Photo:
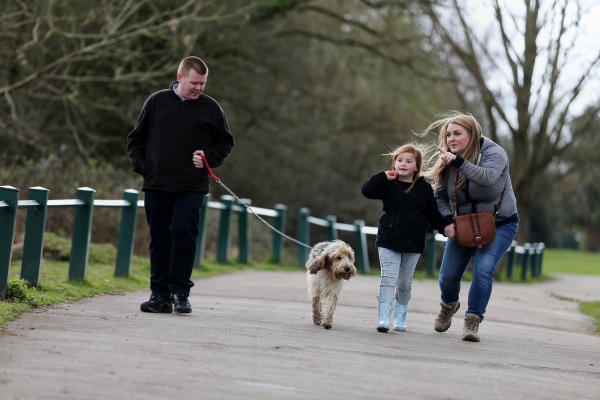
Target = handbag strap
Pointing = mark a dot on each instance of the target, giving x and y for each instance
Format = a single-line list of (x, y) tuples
[(455, 179)]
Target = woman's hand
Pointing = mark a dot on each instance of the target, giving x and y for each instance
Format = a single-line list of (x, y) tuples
[(391, 175), (446, 156), (449, 231)]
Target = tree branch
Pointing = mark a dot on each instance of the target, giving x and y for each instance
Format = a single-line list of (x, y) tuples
[(408, 63)]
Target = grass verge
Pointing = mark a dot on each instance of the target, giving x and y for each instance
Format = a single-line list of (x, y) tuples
[(56, 288), (571, 262), (592, 308)]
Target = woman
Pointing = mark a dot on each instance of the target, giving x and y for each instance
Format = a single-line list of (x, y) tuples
[(483, 185)]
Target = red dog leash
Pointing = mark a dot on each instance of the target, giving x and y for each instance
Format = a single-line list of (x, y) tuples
[(246, 205), (208, 168)]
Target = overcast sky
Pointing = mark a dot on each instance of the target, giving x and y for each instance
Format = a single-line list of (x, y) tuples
[(587, 43)]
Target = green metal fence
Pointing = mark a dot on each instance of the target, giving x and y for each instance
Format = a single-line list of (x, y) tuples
[(529, 256)]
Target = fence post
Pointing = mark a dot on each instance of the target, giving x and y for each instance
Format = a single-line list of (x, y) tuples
[(279, 224), (331, 231), (533, 260), (9, 202), (82, 229), (431, 253), (224, 229), (244, 233), (362, 256), (303, 235), (201, 239), (510, 261), (525, 261), (33, 245), (540, 254), (127, 233)]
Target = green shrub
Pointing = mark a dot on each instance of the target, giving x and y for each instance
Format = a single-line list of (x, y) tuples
[(18, 292), (56, 247), (102, 253)]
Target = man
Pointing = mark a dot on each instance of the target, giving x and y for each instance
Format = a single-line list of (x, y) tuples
[(174, 127)]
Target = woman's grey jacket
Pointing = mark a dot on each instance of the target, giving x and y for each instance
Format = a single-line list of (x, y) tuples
[(484, 186)]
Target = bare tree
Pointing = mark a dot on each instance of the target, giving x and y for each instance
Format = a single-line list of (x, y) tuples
[(63, 64), (533, 101), (382, 29)]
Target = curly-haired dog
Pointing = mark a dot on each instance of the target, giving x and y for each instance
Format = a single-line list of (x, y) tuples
[(329, 265)]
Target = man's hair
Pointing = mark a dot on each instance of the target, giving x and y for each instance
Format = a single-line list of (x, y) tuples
[(192, 63)]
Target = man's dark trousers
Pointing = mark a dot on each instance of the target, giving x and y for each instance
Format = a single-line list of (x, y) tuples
[(173, 219)]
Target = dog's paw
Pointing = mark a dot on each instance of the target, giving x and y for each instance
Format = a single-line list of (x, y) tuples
[(327, 326), (317, 321)]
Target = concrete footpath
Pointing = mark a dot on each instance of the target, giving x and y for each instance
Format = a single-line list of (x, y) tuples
[(251, 336)]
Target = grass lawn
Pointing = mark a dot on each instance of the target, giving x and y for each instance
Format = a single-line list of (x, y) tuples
[(571, 262), (56, 288)]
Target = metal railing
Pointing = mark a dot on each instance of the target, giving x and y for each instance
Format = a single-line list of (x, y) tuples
[(528, 256)]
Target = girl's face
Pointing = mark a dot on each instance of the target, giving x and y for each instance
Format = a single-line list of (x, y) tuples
[(457, 138), (405, 166)]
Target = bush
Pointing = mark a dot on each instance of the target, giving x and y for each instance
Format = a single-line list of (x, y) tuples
[(56, 247), (18, 292)]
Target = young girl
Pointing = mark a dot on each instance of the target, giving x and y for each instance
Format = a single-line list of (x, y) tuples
[(409, 207)]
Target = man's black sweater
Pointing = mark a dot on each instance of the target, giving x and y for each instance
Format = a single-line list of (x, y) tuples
[(167, 133), (407, 216)]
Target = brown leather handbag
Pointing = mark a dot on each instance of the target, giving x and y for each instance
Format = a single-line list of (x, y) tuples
[(475, 229)]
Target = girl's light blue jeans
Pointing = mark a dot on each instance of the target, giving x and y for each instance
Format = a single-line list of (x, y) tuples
[(457, 258), (397, 271)]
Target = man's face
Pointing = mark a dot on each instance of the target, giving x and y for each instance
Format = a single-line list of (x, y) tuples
[(191, 85)]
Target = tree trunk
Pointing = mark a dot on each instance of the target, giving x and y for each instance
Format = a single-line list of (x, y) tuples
[(524, 195)]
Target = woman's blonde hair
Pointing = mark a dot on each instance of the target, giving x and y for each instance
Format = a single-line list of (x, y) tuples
[(416, 152), (439, 172)]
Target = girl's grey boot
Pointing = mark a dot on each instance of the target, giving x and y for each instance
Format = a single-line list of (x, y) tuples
[(400, 316), (385, 312)]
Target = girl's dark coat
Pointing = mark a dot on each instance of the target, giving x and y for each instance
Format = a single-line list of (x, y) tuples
[(407, 216)]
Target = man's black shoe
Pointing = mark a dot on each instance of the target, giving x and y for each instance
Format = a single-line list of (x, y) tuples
[(182, 303), (158, 304)]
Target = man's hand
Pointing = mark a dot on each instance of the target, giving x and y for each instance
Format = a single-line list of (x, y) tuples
[(197, 160)]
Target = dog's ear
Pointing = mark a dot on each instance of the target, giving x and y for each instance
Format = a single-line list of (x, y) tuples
[(327, 263), (317, 263)]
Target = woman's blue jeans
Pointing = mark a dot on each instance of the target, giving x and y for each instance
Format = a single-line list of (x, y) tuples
[(397, 271), (457, 258)]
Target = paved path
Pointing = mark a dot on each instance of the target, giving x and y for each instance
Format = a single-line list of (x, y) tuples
[(250, 336)]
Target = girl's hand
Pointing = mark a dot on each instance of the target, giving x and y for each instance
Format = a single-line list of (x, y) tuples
[(449, 231), (391, 175), (446, 156)]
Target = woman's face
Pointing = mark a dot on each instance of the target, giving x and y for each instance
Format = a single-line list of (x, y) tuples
[(457, 138)]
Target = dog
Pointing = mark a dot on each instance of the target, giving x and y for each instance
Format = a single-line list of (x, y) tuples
[(329, 265)]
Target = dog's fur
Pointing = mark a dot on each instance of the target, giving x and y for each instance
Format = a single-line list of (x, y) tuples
[(329, 265)]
